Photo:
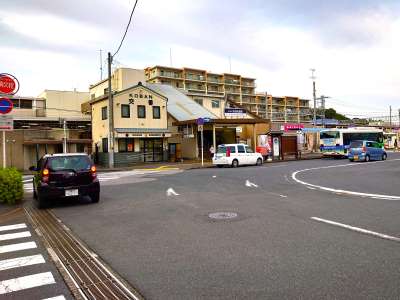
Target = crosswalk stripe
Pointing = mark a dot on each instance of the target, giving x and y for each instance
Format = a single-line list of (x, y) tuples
[(61, 297), (12, 236), (21, 262), (12, 227), (17, 247), (26, 282)]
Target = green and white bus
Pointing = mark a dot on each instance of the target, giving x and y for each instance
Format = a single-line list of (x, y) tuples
[(335, 142)]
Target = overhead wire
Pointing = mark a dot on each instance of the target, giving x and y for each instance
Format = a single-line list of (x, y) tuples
[(126, 30)]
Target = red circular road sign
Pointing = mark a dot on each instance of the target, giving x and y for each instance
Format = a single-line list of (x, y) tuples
[(8, 84), (6, 106)]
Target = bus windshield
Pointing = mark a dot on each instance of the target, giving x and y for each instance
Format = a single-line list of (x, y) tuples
[(329, 135)]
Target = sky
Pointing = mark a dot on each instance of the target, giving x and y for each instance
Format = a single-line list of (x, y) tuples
[(353, 45)]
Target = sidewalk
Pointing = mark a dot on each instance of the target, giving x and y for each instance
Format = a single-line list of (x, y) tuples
[(194, 164)]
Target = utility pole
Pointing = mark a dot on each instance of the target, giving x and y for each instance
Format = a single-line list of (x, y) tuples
[(110, 116), (399, 117), (65, 136), (390, 116), (322, 98), (315, 107)]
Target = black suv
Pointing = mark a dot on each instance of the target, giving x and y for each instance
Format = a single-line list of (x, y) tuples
[(63, 176)]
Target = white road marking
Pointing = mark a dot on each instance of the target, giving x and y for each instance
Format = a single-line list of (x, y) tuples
[(26, 282), (214, 176), (17, 247), (12, 236), (12, 227), (283, 196), (369, 195), (250, 184), (61, 297), (311, 188), (171, 192), (27, 180), (21, 262), (358, 229)]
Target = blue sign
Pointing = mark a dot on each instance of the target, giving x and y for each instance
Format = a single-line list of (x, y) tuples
[(206, 120), (200, 121), (6, 106)]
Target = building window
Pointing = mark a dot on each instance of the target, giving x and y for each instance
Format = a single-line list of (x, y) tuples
[(105, 91), (104, 113), (156, 112), (92, 96), (215, 103), (104, 144), (125, 111), (126, 145), (141, 111), (199, 101), (26, 104)]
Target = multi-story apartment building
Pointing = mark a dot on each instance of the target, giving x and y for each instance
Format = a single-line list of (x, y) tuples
[(209, 89)]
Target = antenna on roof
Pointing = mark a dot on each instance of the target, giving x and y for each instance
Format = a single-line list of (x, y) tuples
[(101, 64)]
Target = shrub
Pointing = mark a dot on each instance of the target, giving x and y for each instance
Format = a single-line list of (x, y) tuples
[(11, 187)]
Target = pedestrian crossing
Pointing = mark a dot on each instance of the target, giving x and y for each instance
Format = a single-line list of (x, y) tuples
[(16, 261)]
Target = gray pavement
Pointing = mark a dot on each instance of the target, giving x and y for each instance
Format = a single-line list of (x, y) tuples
[(168, 247)]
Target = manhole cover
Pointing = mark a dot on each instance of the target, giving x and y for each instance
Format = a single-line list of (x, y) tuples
[(222, 215)]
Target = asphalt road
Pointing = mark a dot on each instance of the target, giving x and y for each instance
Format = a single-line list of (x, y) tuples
[(168, 248)]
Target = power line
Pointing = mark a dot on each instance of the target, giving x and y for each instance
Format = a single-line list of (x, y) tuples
[(126, 30)]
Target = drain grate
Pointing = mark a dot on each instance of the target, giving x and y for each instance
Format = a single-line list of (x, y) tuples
[(223, 215)]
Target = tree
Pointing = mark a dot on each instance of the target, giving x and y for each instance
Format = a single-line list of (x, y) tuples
[(331, 113)]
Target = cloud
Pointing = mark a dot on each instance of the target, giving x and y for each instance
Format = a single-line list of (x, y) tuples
[(353, 44)]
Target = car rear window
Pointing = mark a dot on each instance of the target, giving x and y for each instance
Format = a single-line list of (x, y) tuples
[(76, 163), (222, 149), (356, 144)]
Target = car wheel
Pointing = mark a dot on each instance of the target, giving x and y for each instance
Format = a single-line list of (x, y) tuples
[(95, 197), (235, 163), (42, 202), (259, 162), (384, 156), (367, 158), (219, 166), (350, 159)]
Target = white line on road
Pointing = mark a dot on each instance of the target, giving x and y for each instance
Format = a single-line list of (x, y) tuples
[(12, 236), (12, 227), (358, 229), (26, 282), (61, 297), (17, 247), (21, 262), (283, 196), (214, 176), (369, 195), (171, 192), (250, 184), (27, 181), (311, 188)]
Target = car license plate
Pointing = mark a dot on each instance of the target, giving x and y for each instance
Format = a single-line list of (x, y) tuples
[(355, 157), (69, 193)]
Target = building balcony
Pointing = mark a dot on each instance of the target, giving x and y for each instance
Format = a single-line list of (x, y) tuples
[(216, 92), (197, 78), (214, 81), (248, 84), (232, 82)]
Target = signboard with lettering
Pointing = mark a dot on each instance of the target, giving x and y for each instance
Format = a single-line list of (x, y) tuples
[(8, 84), (6, 123), (292, 126), (235, 112)]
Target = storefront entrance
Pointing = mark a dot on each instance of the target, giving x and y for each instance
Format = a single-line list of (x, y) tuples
[(152, 149)]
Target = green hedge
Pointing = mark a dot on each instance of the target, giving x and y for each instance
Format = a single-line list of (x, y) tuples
[(11, 186)]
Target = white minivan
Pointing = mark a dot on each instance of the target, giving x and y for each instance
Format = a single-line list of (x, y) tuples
[(235, 155)]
